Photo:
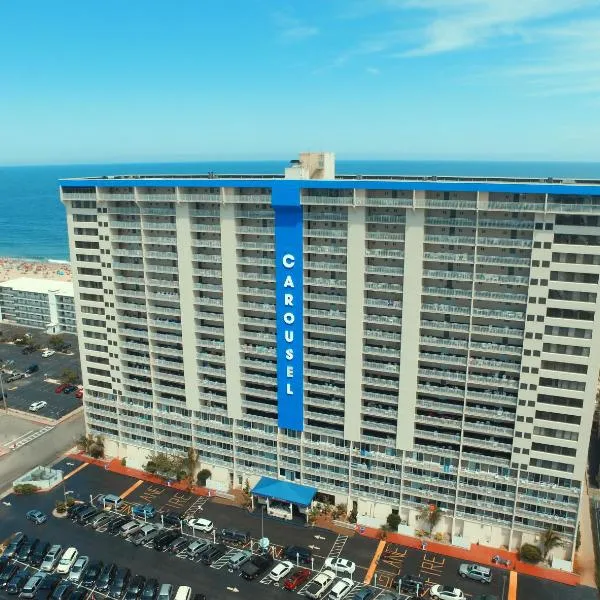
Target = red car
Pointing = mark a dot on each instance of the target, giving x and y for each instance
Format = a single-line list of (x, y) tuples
[(61, 388), (79, 394), (297, 579)]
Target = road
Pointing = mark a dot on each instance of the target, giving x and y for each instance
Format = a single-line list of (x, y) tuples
[(42, 451)]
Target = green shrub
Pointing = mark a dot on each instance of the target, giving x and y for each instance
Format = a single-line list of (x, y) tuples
[(124, 462), (60, 506), (70, 501), (202, 476), (25, 489), (353, 516), (393, 520), (530, 553)]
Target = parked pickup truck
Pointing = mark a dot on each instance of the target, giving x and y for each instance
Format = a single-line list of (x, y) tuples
[(256, 567), (318, 586)]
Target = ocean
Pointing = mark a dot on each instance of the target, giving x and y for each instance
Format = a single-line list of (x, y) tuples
[(32, 219)]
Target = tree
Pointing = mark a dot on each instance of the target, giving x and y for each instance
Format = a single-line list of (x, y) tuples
[(393, 520), (84, 442), (162, 465), (203, 475), (96, 449), (551, 539), (56, 342), (578, 538), (190, 464), (530, 553), (69, 376), (431, 515)]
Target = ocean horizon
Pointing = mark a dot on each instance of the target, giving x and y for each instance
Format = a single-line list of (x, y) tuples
[(32, 218)]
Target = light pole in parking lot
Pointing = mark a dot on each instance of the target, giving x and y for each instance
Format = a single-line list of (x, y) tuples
[(65, 492)]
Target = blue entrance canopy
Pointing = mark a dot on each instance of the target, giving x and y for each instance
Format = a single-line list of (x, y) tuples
[(285, 491)]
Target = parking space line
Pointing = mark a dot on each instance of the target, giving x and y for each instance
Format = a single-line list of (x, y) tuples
[(338, 546), (132, 489), (374, 562), (512, 586), (75, 471)]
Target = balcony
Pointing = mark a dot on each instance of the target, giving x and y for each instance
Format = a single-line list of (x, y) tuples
[(499, 331), (451, 257), (504, 242), (441, 374), (382, 335), (502, 296), (380, 253), (507, 315), (439, 406), (494, 397), (451, 240), (446, 308), (451, 392), (445, 326), (444, 342), (497, 414), (447, 275), (504, 260), (443, 358), (381, 270)]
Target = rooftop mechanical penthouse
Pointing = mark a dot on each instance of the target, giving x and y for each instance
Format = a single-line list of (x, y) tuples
[(394, 342)]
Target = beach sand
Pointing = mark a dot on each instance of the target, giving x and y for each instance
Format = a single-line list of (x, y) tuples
[(12, 268)]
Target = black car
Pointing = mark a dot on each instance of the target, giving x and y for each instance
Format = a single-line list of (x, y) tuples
[(4, 562), (27, 549), (15, 544), (38, 555), (150, 590), (162, 540), (28, 350), (233, 536), (408, 583), (18, 581), (116, 524), (69, 389), (47, 586), (31, 369), (172, 518), (91, 574), (106, 577), (119, 583), (135, 587), (212, 553), (62, 591), (256, 567), (300, 553), (178, 544), (9, 572), (75, 508), (85, 517)]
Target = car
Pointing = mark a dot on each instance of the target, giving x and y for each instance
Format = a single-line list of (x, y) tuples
[(67, 560), (115, 525), (298, 554), (340, 589), (145, 511), (237, 559), (78, 568), (297, 579), (475, 572), (79, 394), (38, 555), (91, 573), (200, 525), (59, 389), (47, 586), (62, 591), (233, 536), (48, 353), (213, 553), (31, 585), (165, 592), (106, 577), (31, 369), (9, 572), (281, 570), (408, 583), (28, 350), (119, 583), (446, 592), (27, 549), (14, 545), (150, 591), (256, 567), (178, 544), (87, 516), (340, 565), (36, 516), (196, 547), (69, 389), (171, 518), (365, 593), (15, 377), (146, 534), (76, 508), (319, 584), (101, 520), (4, 562), (38, 405), (18, 581), (162, 540), (51, 559), (135, 588)]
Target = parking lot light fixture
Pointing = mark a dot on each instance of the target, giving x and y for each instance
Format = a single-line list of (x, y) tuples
[(400, 584), (214, 536)]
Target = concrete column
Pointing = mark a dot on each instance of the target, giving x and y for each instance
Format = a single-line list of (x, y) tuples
[(230, 310), (355, 296), (186, 303), (411, 324)]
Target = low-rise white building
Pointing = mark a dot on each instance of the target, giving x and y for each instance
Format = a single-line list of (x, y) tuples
[(40, 303)]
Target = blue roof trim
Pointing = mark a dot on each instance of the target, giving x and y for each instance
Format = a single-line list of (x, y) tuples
[(359, 184), (285, 491)]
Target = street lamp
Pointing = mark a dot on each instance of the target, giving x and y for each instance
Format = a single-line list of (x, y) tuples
[(65, 492)]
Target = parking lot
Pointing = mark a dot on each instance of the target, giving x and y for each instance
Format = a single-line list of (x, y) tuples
[(23, 392), (217, 581)]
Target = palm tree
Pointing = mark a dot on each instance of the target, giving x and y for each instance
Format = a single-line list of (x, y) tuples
[(550, 540), (430, 515), (190, 463)]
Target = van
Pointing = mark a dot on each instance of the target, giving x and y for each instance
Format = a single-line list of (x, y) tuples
[(112, 501), (67, 560), (166, 592), (239, 558), (130, 528), (184, 592)]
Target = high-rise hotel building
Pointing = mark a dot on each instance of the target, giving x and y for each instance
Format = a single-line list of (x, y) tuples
[(392, 341)]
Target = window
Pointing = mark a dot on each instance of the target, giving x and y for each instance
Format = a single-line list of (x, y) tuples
[(552, 465), (563, 384), (558, 401), (566, 313), (564, 451), (571, 332), (565, 367), (564, 349), (574, 277), (557, 417), (572, 296), (576, 259), (579, 220), (571, 436)]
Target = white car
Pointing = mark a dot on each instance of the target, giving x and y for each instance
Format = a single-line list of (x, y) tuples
[(47, 353), (35, 406), (281, 570), (78, 568), (67, 560), (340, 565), (340, 589), (446, 592), (201, 525)]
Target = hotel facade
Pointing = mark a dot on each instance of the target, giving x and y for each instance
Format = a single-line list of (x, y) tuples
[(394, 342)]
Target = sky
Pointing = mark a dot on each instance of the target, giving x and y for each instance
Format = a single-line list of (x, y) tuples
[(147, 80)]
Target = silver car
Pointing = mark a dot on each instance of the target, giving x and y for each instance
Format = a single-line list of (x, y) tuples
[(51, 559), (475, 572), (78, 568)]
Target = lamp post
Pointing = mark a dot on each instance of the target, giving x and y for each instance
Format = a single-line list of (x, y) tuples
[(65, 492)]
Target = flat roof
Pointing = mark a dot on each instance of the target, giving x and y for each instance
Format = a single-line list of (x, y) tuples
[(39, 286)]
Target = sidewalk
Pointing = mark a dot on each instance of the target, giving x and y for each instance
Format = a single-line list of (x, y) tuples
[(585, 557)]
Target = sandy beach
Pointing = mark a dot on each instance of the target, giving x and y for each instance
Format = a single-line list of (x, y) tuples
[(12, 268)]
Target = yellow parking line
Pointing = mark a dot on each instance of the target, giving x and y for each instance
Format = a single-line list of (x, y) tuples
[(75, 471), (134, 487), (512, 586), (374, 562)]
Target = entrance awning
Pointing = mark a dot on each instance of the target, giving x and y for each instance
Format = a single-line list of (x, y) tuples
[(285, 491)]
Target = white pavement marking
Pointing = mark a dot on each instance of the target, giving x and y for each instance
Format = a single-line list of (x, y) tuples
[(196, 507), (221, 562), (338, 546), (29, 437), (11, 442)]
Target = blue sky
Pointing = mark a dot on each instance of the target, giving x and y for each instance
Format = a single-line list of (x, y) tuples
[(135, 80)]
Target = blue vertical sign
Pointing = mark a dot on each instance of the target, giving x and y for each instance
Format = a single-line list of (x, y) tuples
[(289, 304)]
